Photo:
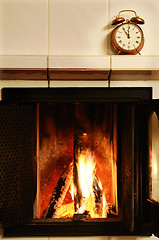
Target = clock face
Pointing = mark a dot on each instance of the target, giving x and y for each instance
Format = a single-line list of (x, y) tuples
[(129, 36)]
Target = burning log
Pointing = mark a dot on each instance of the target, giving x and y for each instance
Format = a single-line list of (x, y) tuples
[(81, 145), (78, 148), (59, 192), (81, 216), (97, 196), (88, 189)]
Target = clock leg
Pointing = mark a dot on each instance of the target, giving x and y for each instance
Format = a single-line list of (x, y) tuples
[(138, 52)]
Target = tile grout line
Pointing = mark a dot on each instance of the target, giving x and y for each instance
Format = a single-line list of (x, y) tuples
[(108, 40), (48, 27), (48, 39)]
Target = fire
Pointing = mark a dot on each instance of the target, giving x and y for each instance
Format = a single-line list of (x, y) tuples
[(76, 160), (90, 192), (92, 199), (80, 176), (86, 167)]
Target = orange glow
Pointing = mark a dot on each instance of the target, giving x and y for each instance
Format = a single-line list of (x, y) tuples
[(85, 135), (86, 167), (90, 187), (66, 211)]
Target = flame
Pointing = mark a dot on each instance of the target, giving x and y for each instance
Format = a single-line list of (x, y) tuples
[(93, 199), (105, 207), (85, 170), (72, 190), (84, 134)]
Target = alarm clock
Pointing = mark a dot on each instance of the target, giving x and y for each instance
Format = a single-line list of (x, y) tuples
[(127, 38)]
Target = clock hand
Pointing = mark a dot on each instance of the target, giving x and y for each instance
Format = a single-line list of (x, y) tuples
[(125, 31), (127, 34), (128, 28), (128, 31)]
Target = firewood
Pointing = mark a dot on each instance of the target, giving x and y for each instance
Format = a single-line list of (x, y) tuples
[(97, 195), (79, 146), (59, 192)]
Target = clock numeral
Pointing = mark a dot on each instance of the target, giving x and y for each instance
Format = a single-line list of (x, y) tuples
[(120, 41), (137, 32), (123, 45), (137, 42), (138, 37)]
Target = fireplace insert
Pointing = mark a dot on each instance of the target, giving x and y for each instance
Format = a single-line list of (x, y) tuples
[(79, 161)]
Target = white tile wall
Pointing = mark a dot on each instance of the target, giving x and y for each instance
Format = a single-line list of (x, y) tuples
[(80, 238), (79, 62), (23, 27), (135, 62), (133, 238), (79, 83), (84, 238), (26, 238), (23, 62), (70, 27), (78, 27)]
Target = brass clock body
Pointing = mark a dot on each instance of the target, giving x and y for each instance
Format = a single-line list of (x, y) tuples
[(127, 38)]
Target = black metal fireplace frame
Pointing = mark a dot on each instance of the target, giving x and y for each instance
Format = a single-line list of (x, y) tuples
[(73, 94), (112, 226)]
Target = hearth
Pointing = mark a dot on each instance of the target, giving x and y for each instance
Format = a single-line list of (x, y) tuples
[(76, 161)]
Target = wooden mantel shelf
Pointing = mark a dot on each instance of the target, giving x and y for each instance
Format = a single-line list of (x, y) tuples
[(78, 74), (60, 68), (53, 74), (23, 74)]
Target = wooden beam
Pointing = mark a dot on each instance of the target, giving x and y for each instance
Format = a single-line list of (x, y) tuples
[(23, 74), (80, 74), (134, 75)]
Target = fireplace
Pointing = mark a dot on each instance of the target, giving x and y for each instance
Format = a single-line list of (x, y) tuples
[(75, 161)]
